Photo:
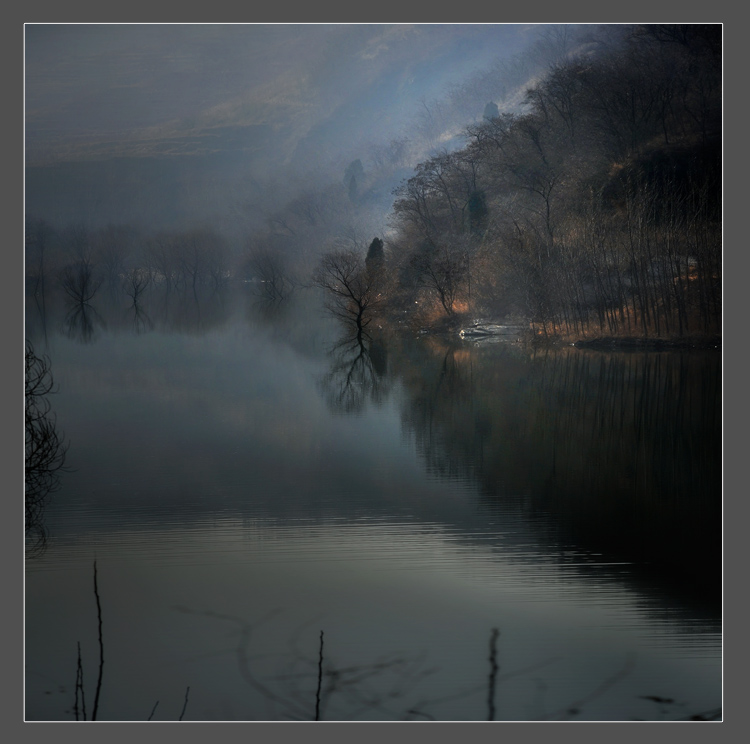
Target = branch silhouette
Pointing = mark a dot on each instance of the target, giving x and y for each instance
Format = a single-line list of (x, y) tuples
[(45, 448)]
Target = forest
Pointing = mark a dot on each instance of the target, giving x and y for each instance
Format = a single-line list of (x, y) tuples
[(591, 207), (597, 211)]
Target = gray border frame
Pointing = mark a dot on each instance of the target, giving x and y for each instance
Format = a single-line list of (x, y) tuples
[(477, 12)]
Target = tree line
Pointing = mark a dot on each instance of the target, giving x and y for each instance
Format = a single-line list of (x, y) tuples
[(595, 210), (82, 260), (586, 202)]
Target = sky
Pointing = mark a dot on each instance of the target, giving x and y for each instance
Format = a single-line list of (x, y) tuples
[(117, 85), (159, 124)]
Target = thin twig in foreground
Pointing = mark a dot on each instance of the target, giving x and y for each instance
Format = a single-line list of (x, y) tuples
[(101, 647), (79, 686), (493, 674), (184, 707), (320, 679)]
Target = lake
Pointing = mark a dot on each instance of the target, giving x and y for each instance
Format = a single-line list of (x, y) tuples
[(286, 525)]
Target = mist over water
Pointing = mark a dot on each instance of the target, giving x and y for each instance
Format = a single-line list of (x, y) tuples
[(245, 480), (298, 518)]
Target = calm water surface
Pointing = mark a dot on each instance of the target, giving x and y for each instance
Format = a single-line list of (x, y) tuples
[(244, 479)]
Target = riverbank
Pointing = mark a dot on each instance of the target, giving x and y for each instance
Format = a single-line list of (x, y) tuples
[(520, 330)]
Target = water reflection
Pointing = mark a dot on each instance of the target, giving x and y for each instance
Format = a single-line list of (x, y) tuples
[(81, 323), (136, 305), (357, 374), (444, 410), (564, 492), (621, 451), (269, 311), (302, 683), (80, 282), (404, 640), (197, 312), (142, 322), (632, 453)]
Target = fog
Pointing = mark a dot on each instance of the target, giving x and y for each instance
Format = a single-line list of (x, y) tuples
[(168, 126), (405, 334)]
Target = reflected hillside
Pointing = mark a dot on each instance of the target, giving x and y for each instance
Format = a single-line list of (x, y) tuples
[(461, 409), (621, 450), (616, 454)]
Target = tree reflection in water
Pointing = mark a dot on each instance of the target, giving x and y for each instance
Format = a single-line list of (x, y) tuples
[(621, 452), (312, 684), (135, 284), (618, 453), (81, 322), (81, 284), (142, 323), (357, 375)]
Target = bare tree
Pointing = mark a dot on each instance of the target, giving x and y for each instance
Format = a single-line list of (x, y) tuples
[(443, 270), (135, 283), (45, 448), (353, 290), (80, 282), (161, 255)]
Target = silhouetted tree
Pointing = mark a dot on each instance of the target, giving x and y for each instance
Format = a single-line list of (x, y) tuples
[(375, 256), (80, 282), (45, 448), (135, 282), (353, 291), (443, 270)]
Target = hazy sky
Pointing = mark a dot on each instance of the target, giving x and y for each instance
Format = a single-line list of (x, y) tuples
[(87, 82), (164, 124)]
